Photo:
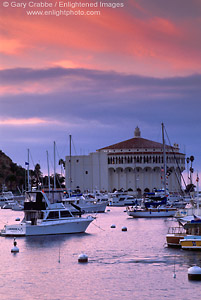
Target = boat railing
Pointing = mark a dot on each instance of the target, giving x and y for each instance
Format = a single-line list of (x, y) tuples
[(176, 230)]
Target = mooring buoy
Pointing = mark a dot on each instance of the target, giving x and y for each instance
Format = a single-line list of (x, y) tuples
[(194, 273), (82, 258), (15, 249)]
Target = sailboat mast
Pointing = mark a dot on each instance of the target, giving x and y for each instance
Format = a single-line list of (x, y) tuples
[(28, 172), (164, 159), (70, 137), (48, 169), (54, 166)]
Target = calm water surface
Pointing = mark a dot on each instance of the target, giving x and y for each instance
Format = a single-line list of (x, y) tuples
[(122, 265)]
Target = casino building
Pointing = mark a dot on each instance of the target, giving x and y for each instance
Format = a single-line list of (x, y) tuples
[(135, 164)]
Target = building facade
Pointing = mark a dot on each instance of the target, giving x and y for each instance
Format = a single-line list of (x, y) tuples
[(136, 164)]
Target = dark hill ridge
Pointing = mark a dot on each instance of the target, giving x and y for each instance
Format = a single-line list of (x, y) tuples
[(11, 175)]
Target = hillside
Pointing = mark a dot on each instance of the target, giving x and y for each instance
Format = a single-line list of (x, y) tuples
[(11, 175)]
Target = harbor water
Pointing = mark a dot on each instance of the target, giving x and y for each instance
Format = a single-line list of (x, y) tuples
[(132, 264)]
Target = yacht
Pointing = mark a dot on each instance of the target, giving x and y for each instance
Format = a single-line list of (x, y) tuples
[(192, 239), (5, 196), (44, 218), (151, 212), (119, 198)]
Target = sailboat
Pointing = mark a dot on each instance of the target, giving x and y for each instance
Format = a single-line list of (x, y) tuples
[(156, 210)]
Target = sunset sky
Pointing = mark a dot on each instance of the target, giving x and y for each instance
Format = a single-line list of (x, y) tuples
[(97, 77)]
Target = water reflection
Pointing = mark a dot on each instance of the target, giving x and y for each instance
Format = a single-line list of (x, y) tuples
[(51, 241)]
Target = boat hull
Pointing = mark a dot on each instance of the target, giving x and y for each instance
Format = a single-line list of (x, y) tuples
[(92, 208), (49, 228), (173, 240), (157, 213), (193, 243)]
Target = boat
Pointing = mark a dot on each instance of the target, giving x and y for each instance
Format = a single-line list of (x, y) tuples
[(5, 196), (96, 195), (89, 205), (44, 218), (192, 208), (121, 198), (155, 204), (175, 234), (192, 240), (151, 212)]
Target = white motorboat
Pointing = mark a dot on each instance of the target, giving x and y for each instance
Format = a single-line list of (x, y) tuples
[(5, 196), (122, 199), (89, 205), (151, 212), (192, 240), (44, 218)]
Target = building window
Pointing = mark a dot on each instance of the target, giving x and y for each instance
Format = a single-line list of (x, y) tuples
[(86, 172), (77, 160)]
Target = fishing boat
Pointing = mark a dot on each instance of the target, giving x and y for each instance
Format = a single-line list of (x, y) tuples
[(44, 218)]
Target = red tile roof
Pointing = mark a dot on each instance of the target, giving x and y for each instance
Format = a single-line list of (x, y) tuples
[(136, 143)]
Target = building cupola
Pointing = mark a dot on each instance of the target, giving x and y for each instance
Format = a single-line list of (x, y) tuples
[(137, 132)]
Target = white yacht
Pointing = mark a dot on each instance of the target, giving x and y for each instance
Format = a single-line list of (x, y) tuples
[(122, 199), (44, 218), (4, 197), (151, 212), (85, 205)]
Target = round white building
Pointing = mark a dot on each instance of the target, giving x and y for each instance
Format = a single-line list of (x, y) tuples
[(135, 164)]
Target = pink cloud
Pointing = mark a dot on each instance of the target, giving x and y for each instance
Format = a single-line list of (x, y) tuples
[(120, 39)]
